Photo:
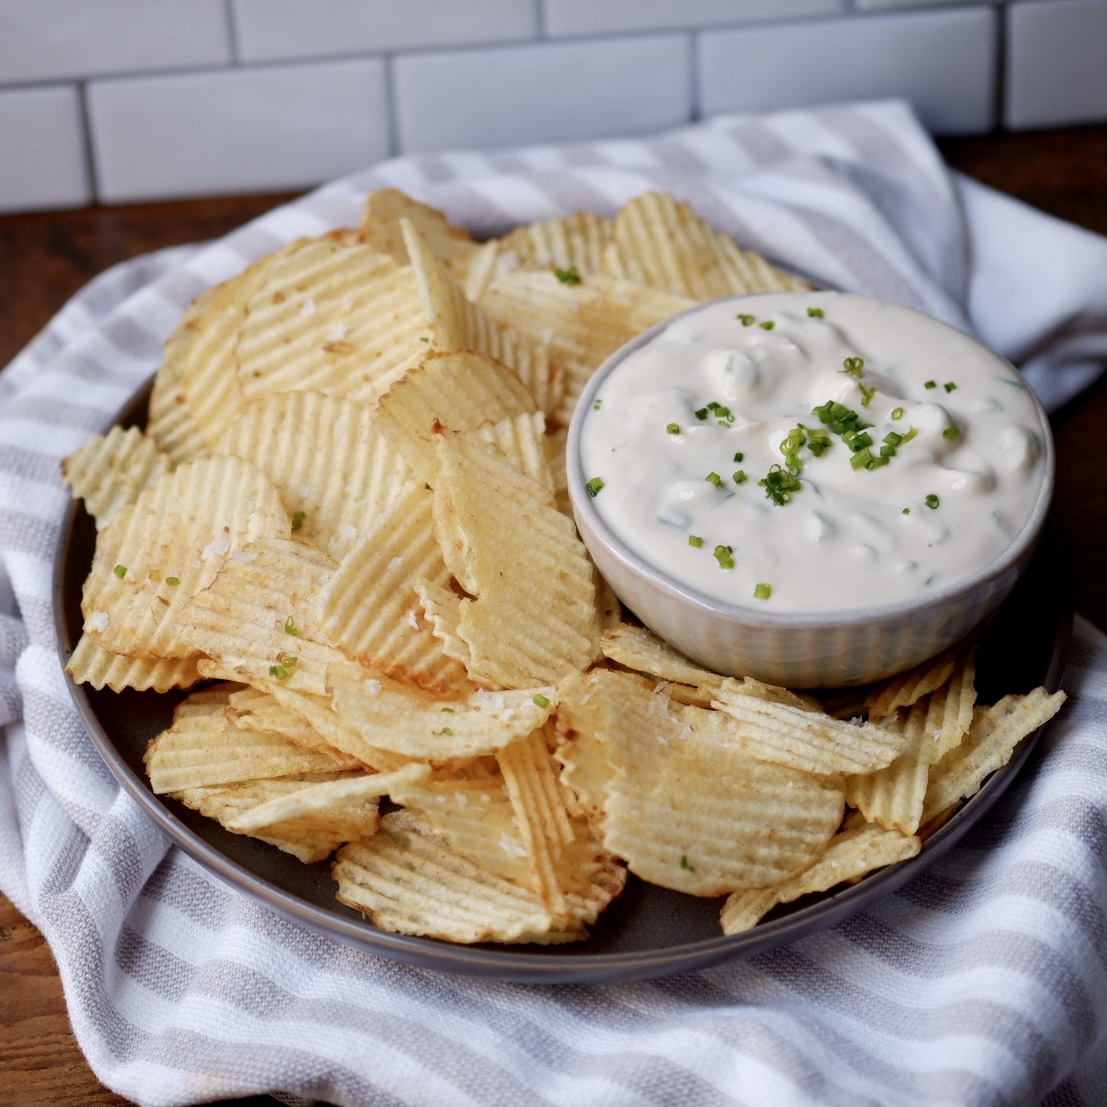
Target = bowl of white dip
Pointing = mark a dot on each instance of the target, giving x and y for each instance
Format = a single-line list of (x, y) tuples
[(815, 489)]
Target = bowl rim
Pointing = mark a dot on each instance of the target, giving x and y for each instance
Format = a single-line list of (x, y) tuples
[(593, 527)]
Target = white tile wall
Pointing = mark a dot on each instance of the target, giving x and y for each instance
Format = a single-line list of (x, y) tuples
[(46, 40), (156, 98), (281, 29), (241, 130), (587, 17), (548, 92), (42, 162), (1057, 63), (813, 62)]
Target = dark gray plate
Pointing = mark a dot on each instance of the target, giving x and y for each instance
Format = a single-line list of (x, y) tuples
[(647, 932)]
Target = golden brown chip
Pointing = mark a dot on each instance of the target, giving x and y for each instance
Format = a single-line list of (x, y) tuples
[(408, 881), (454, 390), (370, 606), (893, 796), (640, 649), (382, 213), (995, 733), (331, 316), (661, 242), (849, 856), (453, 323), (906, 688), (500, 538), (804, 739), (170, 421), (91, 664), (111, 469), (168, 545), (260, 616), (425, 726), (950, 709), (335, 473)]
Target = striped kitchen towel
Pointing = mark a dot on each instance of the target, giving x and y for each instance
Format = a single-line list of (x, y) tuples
[(981, 981)]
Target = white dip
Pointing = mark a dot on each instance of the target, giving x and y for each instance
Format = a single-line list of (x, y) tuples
[(684, 431)]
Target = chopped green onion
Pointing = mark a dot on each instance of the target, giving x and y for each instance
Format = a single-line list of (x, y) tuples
[(445, 732), (930, 384), (278, 672), (673, 428), (815, 313), (714, 478), (767, 325), (540, 701), (911, 432), (779, 485), (740, 476), (906, 511), (861, 459), (173, 581), (568, 276), (685, 864), (867, 393), (950, 386), (695, 540), (423, 338), (763, 591), (951, 433), (298, 519), (724, 555), (594, 486), (932, 501), (854, 366), (597, 405), (739, 456), (897, 413), (747, 320), (290, 626), (120, 571)]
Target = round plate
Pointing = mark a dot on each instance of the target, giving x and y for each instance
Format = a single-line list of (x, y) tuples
[(648, 931)]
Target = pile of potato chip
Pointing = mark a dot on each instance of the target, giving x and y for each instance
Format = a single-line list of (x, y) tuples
[(345, 528)]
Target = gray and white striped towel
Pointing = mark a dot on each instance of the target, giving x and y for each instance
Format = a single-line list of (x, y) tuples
[(982, 981)]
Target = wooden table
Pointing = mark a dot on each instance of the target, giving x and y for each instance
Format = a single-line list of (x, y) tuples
[(45, 258)]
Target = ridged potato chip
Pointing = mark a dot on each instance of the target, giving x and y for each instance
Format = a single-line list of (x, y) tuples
[(91, 664)]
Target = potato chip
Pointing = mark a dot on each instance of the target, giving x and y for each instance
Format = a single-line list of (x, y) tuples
[(452, 323), (906, 688), (91, 664), (661, 242), (370, 607), (335, 473), (421, 725), (568, 243), (518, 634), (170, 421), (111, 469), (582, 321), (850, 855), (332, 316), (950, 709), (407, 880), (993, 737), (893, 796), (804, 739), (260, 615), (640, 649), (169, 544), (447, 390), (385, 209), (204, 750)]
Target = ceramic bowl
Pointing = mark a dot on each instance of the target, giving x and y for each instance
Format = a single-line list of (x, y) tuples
[(797, 649)]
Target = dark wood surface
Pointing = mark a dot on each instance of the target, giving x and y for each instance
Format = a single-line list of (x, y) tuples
[(46, 257)]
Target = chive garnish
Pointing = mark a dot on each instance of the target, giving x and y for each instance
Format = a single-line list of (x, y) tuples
[(747, 320), (173, 581), (724, 555), (815, 313), (897, 413), (120, 571), (930, 384), (740, 476), (951, 433), (767, 325), (290, 626), (673, 428), (739, 456), (950, 386), (867, 393), (540, 701), (298, 519), (685, 864), (714, 478), (695, 540), (568, 276), (854, 366), (762, 591), (594, 486), (932, 501)]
